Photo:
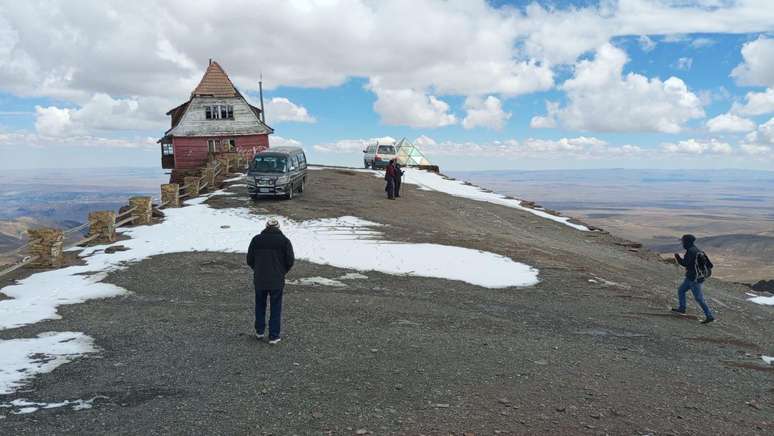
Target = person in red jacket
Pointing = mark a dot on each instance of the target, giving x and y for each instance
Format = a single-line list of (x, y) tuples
[(390, 173)]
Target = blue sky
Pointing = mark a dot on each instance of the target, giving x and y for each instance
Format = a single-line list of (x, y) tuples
[(479, 85)]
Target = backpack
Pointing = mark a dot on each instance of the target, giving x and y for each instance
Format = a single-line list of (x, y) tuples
[(703, 266)]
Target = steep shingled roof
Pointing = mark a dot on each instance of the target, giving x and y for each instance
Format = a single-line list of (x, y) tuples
[(215, 83)]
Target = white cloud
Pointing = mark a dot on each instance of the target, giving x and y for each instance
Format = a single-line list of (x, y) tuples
[(72, 51), (756, 149), (766, 130), (646, 44), (279, 141), (602, 99), (100, 113), (26, 139), (764, 134), (730, 123), (548, 121), (280, 109), (761, 141), (684, 63), (756, 103), (408, 107), (694, 146), (53, 121), (580, 147), (758, 66), (702, 42), (486, 112)]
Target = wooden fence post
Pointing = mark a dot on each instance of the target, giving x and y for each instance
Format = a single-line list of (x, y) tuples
[(208, 174), (103, 223), (192, 183), (144, 210), (170, 194), (47, 244), (224, 166)]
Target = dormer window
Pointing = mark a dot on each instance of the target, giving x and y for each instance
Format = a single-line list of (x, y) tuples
[(219, 112)]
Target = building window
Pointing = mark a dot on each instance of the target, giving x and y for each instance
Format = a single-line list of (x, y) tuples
[(231, 144), (219, 112), (211, 145), (167, 150)]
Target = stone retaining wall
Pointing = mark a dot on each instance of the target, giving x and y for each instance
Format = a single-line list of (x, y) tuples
[(47, 245)]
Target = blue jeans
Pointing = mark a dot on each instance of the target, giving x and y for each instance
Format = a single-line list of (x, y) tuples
[(275, 320), (695, 288)]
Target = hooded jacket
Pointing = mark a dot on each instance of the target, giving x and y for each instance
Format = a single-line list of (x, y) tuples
[(689, 259), (271, 256)]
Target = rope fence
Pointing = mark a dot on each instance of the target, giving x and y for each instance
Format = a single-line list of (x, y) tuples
[(45, 246)]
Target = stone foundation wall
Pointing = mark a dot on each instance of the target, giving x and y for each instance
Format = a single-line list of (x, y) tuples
[(144, 212), (47, 245), (170, 194), (192, 184), (103, 223)]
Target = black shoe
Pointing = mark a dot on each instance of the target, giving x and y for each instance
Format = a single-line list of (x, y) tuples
[(708, 320), (678, 310)]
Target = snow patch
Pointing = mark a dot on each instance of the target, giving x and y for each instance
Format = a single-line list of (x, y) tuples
[(235, 179), (316, 281), (23, 406), (768, 359), (432, 181), (353, 276), (346, 242), (237, 185), (22, 359), (766, 301)]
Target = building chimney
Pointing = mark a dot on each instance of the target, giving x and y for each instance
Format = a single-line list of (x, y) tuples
[(210, 61), (260, 93)]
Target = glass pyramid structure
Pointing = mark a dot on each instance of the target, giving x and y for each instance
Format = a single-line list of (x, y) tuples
[(409, 154)]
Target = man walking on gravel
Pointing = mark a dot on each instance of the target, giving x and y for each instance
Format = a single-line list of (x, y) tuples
[(389, 177), (270, 255), (693, 277)]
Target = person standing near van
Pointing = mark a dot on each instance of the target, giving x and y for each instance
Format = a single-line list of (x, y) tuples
[(270, 256), (398, 179), (696, 264), (389, 176)]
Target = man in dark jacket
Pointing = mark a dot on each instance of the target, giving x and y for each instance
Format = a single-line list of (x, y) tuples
[(398, 178), (270, 255), (389, 176), (692, 280)]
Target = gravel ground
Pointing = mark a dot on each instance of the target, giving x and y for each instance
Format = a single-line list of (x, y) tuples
[(404, 355)]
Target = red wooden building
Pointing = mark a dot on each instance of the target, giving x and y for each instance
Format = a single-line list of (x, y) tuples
[(216, 119)]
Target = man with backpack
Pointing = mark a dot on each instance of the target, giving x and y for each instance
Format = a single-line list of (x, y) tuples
[(697, 268), (270, 256)]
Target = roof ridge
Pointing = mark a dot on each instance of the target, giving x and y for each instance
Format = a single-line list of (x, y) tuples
[(215, 82)]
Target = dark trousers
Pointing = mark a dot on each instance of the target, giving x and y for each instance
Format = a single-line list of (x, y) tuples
[(695, 288), (397, 186), (390, 187), (275, 319)]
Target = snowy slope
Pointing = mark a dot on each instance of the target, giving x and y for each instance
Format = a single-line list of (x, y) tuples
[(346, 242)]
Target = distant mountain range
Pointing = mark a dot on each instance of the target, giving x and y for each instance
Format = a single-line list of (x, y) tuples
[(731, 211), (63, 198)]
